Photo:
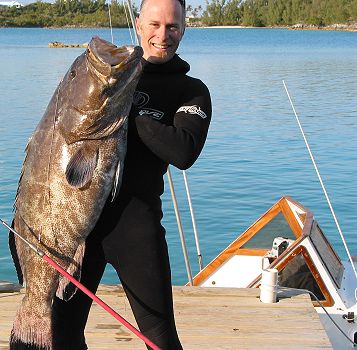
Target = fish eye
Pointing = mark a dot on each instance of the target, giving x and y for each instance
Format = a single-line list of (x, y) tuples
[(72, 74)]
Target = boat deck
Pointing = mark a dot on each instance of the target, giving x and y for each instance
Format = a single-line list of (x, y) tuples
[(207, 318)]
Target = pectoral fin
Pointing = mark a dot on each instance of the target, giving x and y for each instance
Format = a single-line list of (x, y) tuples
[(117, 181), (81, 166), (66, 289)]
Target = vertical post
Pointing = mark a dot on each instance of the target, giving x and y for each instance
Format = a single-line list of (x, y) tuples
[(179, 224), (199, 255), (133, 21)]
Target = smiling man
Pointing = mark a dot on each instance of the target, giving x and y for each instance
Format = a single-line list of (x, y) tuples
[(160, 26), (168, 124)]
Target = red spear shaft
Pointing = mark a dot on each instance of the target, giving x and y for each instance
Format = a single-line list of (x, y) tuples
[(85, 290)]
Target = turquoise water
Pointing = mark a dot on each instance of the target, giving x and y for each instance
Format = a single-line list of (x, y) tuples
[(254, 153)]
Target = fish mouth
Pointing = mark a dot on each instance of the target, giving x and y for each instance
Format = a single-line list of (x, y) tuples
[(109, 59)]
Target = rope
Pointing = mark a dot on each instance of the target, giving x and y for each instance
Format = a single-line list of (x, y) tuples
[(323, 186)]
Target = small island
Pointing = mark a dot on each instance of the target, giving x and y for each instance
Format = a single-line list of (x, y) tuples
[(58, 44)]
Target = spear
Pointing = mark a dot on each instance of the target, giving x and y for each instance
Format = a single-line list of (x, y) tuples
[(85, 290)]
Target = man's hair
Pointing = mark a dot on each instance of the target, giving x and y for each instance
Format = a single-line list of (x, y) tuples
[(182, 3), (183, 6)]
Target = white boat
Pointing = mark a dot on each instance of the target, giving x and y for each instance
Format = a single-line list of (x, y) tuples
[(288, 238)]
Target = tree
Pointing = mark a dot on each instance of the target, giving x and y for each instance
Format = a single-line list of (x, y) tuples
[(250, 16), (213, 15), (232, 13)]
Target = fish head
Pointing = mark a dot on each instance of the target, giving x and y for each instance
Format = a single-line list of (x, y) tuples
[(95, 96)]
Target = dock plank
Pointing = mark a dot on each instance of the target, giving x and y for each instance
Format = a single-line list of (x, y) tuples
[(207, 318)]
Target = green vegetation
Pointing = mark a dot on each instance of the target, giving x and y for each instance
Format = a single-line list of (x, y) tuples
[(256, 13), (86, 13), (261, 13)]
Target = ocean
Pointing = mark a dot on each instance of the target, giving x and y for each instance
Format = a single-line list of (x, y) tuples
[(254, 153)]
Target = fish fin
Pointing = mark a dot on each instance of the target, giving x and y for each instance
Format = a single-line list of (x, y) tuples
[(31, 327), (122, 136), (117, 181), (15, 256), (27, 151), (66, 289), (81, 166)]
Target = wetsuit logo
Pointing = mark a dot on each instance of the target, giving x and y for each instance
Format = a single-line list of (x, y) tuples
[(153, 113), (140, 99), (193, 110)]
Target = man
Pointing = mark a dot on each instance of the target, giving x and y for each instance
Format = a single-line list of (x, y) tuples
[(168, 124)]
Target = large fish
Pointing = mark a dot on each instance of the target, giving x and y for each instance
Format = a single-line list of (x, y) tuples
[(73, 162)]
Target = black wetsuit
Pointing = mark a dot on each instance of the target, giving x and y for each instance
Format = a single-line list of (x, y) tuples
[(168, 124)]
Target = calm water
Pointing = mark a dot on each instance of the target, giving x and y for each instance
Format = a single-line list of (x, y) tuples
[(254, 154)]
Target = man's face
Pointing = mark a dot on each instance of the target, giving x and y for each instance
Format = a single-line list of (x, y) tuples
[(160, 26)]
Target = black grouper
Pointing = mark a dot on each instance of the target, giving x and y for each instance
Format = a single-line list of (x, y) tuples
[(74, 160)]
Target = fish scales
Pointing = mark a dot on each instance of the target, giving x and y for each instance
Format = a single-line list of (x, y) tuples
[(73, 161)]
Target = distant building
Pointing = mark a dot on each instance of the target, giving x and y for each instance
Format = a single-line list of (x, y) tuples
[(11, 4)]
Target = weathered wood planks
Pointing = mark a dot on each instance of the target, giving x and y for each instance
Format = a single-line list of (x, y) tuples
[(207, 318)]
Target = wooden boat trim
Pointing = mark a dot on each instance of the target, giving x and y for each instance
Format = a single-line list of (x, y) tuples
[(290, 218), (235, 247), (279, 264), (308, 216), (289, 213), (252, 252), (255, 283), (302, 250)]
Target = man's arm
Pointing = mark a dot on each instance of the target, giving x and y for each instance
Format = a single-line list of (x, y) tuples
[(181, 143)]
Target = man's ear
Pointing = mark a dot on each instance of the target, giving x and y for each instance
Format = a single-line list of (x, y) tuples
[(138, 25)]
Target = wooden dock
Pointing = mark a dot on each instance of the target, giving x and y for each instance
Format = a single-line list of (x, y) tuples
[(207, 318)]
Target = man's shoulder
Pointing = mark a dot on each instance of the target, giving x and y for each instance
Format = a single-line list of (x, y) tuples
[(195, 83)]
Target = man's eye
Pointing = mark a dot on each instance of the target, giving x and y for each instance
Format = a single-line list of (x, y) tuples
[(174, 28)]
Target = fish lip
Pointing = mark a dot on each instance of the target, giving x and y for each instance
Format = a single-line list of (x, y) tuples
[(109, 59), (134, 57)]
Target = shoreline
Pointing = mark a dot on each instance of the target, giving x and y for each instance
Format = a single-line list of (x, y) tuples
[(332, 27)]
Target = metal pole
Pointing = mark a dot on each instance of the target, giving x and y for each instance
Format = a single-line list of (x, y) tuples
[(199, 255), (110, 23), (131, 12), (179, 224)]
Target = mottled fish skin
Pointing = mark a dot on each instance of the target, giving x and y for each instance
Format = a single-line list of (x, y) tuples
[(72, 162)]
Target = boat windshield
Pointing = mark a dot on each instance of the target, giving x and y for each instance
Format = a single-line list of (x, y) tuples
[(277, 227)]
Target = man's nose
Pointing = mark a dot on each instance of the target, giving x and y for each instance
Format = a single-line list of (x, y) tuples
[(162, 33)]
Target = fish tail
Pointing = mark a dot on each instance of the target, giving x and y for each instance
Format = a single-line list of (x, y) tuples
[(66, 289), (16, 344), (32, 328)]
